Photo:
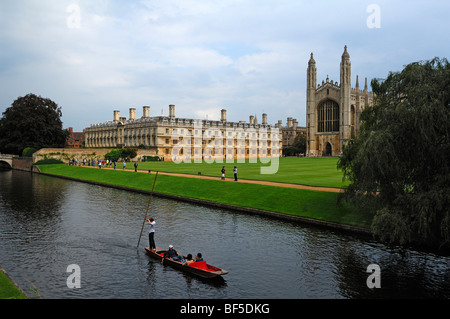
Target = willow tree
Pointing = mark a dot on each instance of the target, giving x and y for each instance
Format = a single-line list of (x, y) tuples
[(399, 166)]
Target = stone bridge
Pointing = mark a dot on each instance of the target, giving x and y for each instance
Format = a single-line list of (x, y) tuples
[(6, 160), (16, 162)]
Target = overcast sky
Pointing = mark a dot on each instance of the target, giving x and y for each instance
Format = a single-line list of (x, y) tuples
[(247, 56)]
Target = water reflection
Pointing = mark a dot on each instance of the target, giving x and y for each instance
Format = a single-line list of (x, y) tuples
[(48, 223)]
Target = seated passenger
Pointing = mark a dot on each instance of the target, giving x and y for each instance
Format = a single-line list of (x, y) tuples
[(172, 254), (198, 257), (189, 260)]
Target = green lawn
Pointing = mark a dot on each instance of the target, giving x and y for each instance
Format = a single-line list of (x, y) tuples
[(306, 203), (305, 171), (8, 290)]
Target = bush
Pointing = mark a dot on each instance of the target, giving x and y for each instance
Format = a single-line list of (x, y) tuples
[(48, 161), (28, 152)]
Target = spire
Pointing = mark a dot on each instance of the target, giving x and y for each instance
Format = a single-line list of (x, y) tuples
[(357, 83), (345, 55), (365, 86), (311, 60)]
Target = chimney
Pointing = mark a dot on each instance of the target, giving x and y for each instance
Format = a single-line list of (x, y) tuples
[(289, 122), (295, 124), (146, 111), (252, 119), (171, 110), (132, 113), (280, 124), (116, 116), (264, 118), (223, 116)]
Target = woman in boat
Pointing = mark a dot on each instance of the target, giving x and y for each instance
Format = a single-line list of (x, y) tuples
[(199, 257), (189, 260)]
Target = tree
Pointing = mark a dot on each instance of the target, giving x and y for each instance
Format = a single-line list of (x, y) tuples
[(298, 146), (399, 167), (31, 121)]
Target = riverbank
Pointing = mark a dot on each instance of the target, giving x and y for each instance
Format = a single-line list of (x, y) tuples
[(8, 288), (300, 205)]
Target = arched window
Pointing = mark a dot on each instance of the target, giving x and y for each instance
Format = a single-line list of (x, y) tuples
[(328, 116)]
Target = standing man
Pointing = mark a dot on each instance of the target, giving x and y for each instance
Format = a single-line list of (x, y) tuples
[(135, 166), (235, 173), (151, 233), (223, 172)]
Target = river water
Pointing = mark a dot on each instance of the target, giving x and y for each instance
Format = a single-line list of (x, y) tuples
[(47, 224)]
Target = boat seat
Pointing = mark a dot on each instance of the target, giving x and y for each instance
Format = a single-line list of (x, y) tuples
[(199, 265)]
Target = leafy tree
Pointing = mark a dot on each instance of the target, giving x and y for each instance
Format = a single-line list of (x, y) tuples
[(399, 167), (28, 152), (31, 121), (114, 155), (129, 152), (298, 146)]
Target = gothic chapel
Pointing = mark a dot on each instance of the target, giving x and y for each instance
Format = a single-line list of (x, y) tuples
[(333, 109)]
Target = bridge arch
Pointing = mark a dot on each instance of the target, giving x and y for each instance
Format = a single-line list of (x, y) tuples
[(5, 164)]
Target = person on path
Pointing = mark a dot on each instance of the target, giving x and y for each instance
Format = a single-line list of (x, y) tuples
[(223, 172), (135, 166), (235, 173), (151, 233), (124, 164)]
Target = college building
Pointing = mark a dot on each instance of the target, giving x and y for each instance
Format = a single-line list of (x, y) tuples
[(182, 139), (333, 109)]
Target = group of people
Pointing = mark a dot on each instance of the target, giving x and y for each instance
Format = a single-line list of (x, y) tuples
[(99, 163), (234, 173), (171, 253)]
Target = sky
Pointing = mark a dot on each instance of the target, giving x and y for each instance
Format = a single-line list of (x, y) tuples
[(246, 56)]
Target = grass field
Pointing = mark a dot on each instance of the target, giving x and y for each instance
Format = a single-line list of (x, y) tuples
[(8, 290), (296, 170), (306, 203)]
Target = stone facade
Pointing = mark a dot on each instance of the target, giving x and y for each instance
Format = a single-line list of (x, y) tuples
[(333, 109), (187, 139), (290, 131), (75, 139)]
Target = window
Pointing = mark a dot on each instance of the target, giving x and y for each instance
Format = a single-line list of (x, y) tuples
[(328, 117)]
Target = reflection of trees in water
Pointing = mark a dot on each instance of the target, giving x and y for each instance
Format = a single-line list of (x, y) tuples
[(404, 273), (36, 198)]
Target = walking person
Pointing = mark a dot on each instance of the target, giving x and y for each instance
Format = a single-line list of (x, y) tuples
[(135, 166), (235, 173), (223, 172), (151, 233)]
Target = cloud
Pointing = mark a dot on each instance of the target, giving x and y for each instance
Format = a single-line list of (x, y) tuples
[(244, 56)]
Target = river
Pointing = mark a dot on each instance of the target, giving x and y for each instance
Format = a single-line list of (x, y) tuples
[(47, 224)]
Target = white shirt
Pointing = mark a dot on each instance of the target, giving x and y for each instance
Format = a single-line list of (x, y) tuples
[(152, 227)]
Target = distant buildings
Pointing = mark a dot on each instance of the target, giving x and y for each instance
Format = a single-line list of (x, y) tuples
[(75, 139), (332, 118), (333, 109), (187, 139)]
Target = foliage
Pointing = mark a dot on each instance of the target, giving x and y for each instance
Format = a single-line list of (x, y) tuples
[(399, 166), (299, 146), (31, 121), (114, 155), (48, 161), (28, 152), (129, 152), (123, 153)]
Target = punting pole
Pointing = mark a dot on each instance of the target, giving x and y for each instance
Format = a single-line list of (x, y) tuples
[(148, 205)]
